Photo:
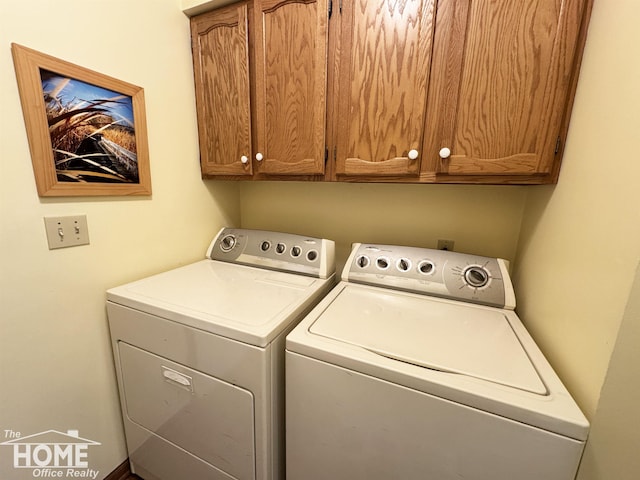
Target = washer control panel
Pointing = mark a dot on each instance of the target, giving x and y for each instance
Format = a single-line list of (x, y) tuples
[(275, 251), (441, 273)]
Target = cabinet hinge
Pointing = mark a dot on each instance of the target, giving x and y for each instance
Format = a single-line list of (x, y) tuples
[(558, 142), (334, 154), (326, 155), (331, 7)]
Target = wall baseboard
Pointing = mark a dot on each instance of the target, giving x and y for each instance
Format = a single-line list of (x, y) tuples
[(121, 472)]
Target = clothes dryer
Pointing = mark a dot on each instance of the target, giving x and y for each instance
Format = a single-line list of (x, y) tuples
[(199, 355), (416, 367)]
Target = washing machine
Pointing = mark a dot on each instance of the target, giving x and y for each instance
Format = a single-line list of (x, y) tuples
[(199, 355), (415, 366)]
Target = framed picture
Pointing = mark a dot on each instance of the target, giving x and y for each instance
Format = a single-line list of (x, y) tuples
[(87, 132)]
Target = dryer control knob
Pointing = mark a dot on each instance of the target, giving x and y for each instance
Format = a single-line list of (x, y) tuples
[(227, 243)]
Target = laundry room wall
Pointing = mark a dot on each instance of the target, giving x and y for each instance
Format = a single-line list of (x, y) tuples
[(484, 220), (612, 451), (580, 244), (573, 259), (56, 370), (575, 255), (580, 240)]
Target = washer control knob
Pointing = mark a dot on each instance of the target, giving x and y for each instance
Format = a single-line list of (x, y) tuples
[(413, 154), (426, 267), (444, 153), (382, 263), (404, 264), (227, 243), (476, 276)]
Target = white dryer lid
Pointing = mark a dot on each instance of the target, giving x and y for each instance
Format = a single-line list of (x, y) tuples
[(457, 338), (248, 304)]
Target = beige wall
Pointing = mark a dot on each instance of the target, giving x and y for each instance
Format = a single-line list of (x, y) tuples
[(576, 251), (612, 452), (480, 219), (574, 256), (194, 7), (580, 244), (580, 241), (56, 368)]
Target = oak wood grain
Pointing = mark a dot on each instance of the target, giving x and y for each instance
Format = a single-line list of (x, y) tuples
[(291, 79), (384, 75), (492, 81), (501, 86), (221, 69)]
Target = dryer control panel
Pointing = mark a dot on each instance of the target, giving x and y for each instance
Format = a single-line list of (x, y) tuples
[(274, 251), (441, 273)]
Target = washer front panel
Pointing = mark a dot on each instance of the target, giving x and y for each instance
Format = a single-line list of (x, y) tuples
[(342, 424), (555, 411)]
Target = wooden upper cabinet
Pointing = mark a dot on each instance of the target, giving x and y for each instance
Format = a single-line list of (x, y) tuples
[(384, 64), (291, 80), (469, 91), (220, 44), (501, 88)]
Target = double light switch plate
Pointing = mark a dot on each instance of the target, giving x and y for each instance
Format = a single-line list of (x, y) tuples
[(67, 231)]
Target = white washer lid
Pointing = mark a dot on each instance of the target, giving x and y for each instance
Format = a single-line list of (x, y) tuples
[(456, 338)]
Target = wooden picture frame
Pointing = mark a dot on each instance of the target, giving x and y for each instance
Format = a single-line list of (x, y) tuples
[(87, 132)]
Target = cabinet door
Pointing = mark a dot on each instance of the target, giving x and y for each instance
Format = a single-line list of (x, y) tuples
[(291, 82), (385, 56), (220, 46), (501, 84)]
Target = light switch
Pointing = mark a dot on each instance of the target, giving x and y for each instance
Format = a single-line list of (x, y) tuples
[(66, 231)]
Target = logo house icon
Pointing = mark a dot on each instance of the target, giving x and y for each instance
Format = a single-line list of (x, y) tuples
[(51, 449)]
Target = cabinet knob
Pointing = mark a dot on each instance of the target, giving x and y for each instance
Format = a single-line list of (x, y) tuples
[(259, 157), (244, 159), (445, 153), (413, 154)]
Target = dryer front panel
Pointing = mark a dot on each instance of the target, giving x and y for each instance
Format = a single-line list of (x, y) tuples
[(207, 417)]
